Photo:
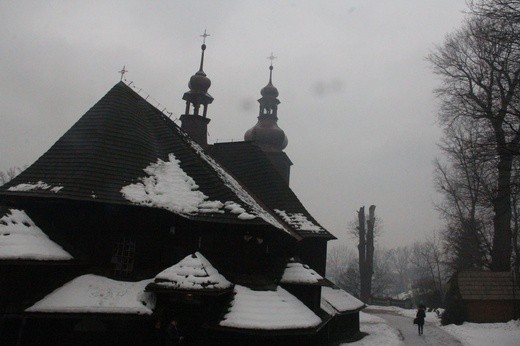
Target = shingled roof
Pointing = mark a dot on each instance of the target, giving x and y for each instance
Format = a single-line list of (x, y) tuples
[(250, 165), (118, 144), (485, 285)]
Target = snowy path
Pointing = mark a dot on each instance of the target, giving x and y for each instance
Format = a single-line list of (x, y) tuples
[(408, 331)]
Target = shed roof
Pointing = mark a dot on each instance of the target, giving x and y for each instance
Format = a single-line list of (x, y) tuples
[(334, 300), (268, 310), (97, 294), (487, 285), (300, 274)]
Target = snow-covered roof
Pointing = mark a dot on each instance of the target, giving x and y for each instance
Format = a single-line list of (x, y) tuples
[(299, 221), (40, 185), (238, 189), (97, 294), (169, 187), (334, 300), (268, 310), (20, 238), (297, 273), (194, 272)]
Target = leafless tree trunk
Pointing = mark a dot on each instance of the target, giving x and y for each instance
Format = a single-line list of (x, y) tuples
[(370, 248), (365, 230)]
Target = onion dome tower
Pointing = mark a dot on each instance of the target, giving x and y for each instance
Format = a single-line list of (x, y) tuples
[(194, 124), (266, 133)]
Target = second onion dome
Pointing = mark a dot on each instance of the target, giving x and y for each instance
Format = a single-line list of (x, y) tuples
[(266, 133)]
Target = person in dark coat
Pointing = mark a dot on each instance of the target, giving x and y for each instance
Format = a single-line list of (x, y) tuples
[(421, 315)]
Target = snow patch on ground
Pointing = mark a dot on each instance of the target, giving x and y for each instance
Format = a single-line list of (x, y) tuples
[(470, 334), (268, 310), (297, 273), (380, 333), (298, 221), (20, 238), (194, 272), (40, 185), (484, 334), (97, 294)]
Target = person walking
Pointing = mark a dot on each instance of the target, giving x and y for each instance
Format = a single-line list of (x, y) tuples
[(421, 315)]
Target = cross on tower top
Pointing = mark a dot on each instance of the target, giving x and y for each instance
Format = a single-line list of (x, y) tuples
[(122, 72), (204, 35), (271, 57)]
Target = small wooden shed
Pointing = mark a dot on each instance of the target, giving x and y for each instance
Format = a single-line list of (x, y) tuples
[(489, 296)]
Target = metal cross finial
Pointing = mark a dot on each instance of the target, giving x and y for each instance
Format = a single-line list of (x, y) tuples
[(123, 71), (271, 57), (204, 36)]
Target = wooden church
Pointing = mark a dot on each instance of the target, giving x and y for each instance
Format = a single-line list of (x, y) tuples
[(133, 230)]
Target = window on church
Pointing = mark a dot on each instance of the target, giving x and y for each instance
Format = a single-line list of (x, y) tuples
[(123, 258)]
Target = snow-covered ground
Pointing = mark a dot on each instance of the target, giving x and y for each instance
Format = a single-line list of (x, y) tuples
[(394, 326), (484, 334), (378, 330)]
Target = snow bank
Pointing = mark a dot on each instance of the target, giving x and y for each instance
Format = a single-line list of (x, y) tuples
[(297, 273), (268, 310), (298, 221), (20, 238), (40, 185), (338, 299), (97, 294), (194, 272), (484, 334)]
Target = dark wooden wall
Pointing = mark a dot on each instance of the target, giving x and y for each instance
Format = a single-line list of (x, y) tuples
[(491, 311)]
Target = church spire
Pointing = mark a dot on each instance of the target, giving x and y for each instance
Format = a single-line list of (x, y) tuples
[(269, 101), (266, 133), (194, 124)]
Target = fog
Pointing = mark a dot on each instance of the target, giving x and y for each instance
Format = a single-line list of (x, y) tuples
[(356, 93)]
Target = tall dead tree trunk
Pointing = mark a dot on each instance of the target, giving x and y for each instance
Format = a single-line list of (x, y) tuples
[(366, 251), (370, 247), (362, 255)]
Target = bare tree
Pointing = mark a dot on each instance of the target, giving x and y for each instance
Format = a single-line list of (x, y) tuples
[(365, 230), (338, 260), (480, 73), (466, 179), (9, 174), (382, 279), (427, 257), (400, 263)]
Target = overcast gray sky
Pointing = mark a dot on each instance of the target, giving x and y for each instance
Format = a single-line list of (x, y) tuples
[(355, 90)]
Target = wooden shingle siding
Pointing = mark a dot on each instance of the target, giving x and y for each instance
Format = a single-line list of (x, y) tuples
[(487, 286)]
